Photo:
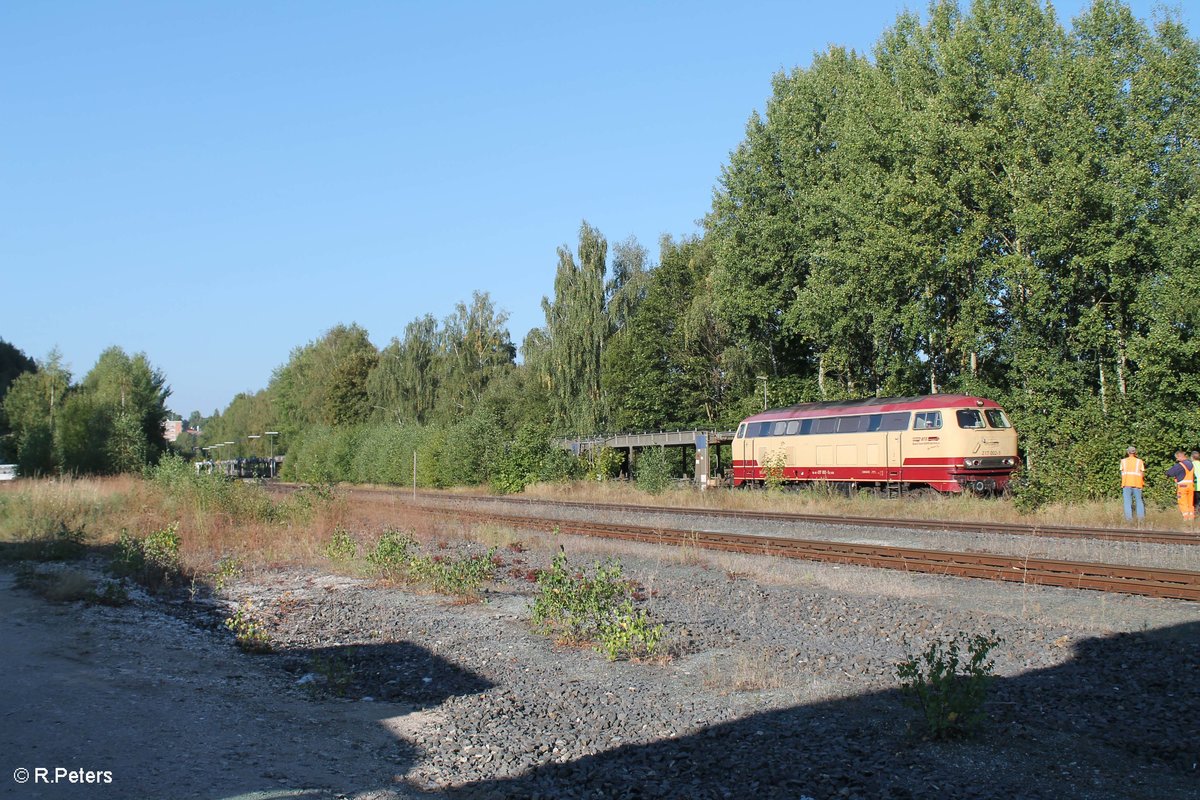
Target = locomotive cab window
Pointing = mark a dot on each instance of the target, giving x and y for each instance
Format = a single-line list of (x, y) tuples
[(969, 418), (997, 419), (927, 421), (780, 428), (741, 430)]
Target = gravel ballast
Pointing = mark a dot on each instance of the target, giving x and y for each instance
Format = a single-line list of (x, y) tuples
[(777, 679)]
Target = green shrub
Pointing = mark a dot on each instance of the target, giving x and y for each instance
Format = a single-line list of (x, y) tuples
[(652, 470), (152, 561), (395, 557), (337, 673), (392, 554), (228, 568), (773, 469), (248, 629), (67, 586), (597, 608), (603, 464), (461, 576), (341, 547), (948, 682)]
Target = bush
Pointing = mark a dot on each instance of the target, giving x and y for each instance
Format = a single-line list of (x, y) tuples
[(948, 690), (248, 629), (652, 470), (604, 464), (341, 547), (394, 557), (392, 553), (597, 608), (462, 576), (152, 561), (774, 464)]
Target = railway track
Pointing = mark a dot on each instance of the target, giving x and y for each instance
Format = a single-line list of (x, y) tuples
[(1145, 581), (1177, 584), (1143, 535)]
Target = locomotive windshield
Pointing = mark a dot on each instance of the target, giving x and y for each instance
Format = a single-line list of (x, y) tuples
[(969, 418), (997, 419)]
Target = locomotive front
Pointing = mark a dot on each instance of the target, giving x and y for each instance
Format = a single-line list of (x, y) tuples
[(985, 446)]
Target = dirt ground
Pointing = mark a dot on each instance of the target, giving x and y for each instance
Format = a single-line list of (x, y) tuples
[(130, 703)]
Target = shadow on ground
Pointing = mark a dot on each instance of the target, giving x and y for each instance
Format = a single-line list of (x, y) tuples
[(1120, 719)]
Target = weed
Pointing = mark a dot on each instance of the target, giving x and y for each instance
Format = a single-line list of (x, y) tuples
[(111, 593), (392, 554), (62, 543), (152, 561), (248, 629), (460, 576), (652, 470), (336, 672), (65, 545), (947, 688), (597, 608), (744, 673), (774, 464), (58, 587), (228, 569), (71, 586), (341, 548)]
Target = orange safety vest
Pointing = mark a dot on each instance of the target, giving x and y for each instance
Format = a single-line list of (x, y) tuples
[(1189, 478), (1133, 472)]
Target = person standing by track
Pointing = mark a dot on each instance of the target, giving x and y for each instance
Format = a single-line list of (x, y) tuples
[(1184, 474), (1195, 459), (1133, 477)]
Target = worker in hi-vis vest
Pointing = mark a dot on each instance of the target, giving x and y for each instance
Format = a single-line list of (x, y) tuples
[(1184, 474), (1133, 477), (1196, 476)]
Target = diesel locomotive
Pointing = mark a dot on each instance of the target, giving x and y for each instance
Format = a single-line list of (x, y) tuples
[(944, 442)]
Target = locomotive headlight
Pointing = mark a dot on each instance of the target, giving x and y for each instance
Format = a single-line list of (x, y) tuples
[(1008, 462)]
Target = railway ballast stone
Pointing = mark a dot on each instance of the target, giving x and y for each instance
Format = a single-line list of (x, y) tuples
[(779, 683)]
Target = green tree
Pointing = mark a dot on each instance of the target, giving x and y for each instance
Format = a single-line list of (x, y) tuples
[(569, 351), (325, 381), (128, 386), (33, 403), (13, 362), (477, 350)]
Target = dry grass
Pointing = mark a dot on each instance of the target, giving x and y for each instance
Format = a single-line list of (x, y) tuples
[(102, 508), (740, 672), (60, 586), (97, 507)]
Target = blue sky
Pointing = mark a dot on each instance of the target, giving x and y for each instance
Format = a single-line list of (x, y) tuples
[(215, 184)]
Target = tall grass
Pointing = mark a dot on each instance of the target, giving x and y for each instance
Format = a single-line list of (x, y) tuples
[(215, 518)]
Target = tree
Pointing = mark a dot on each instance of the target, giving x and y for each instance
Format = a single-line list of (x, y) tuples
[(32, 404), (403, 387), (666, 366), (13, 363), (577, 326), (325, 381), (477, 350), (130, 387)]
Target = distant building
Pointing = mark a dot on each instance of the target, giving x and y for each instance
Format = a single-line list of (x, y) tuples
[(172, 428)]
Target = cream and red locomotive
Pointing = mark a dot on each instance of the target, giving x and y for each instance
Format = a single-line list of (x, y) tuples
[(947, 442)]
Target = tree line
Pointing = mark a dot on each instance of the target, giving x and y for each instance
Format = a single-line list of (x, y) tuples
[(991, 202), (109, 422)]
